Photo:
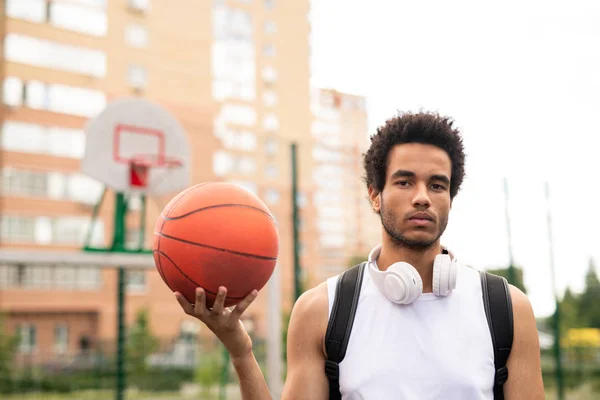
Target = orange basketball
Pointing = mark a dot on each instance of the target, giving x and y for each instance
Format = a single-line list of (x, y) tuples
[(215, 234)]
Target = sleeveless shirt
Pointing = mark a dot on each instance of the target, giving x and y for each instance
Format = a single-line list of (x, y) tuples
[(435, 348)]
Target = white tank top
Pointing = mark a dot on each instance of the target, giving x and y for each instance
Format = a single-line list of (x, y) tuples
[(434, 348)]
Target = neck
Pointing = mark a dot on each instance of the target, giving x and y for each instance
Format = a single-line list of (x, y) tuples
[(422, 260)]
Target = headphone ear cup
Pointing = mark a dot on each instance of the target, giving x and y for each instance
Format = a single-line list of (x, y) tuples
[(453, 274), (402, 283), (442, 275)]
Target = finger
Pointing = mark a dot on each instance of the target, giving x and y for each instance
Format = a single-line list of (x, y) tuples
[(220, 300), (185, 305), (244, 304), (200, 304)]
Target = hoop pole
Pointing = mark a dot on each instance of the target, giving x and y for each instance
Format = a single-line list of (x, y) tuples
[(142, 224), (95, 212), (118, 244)]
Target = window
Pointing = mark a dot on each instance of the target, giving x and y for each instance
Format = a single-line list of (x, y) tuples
[(136, 35), (271, 146), (237, 114), (50, 277), (330, 240), (232, 24), (101, 4), (61, 338), (137, 77), (270, 122), (79, 19), (22, 182), (76, 277), (32, 138), (223, 163), (135, 280), (233, 70), (48, 54), (132, 241), (64, 99), (270, 98), (141, 6), (13, 91), (27, 334), (269, 74), (301, 200), (233, 54), (29, 10), (83, 189), (66, 277), (17, 229), (271, 171), (246, 165), (269, 50), (232, 139), (73, 230), (270, 27), (46, 230), (322, 154), (66, 142), (272, 196)]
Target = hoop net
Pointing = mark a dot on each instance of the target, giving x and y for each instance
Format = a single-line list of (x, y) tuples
[(140, 165)]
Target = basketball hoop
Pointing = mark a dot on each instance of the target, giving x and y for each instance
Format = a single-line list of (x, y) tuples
[(139, 168)]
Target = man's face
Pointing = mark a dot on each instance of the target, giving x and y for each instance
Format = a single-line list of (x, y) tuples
[(415, 201)]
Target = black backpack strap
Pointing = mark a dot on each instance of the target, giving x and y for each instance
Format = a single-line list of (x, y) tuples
[(340, 324), (498, 310)]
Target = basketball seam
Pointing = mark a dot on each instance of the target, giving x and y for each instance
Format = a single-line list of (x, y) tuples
[(180, 198), (159, 267), (192, 281), (215, 248), (218, 206)]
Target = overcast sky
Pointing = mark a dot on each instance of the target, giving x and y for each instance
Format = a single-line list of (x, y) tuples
[(522, 80)]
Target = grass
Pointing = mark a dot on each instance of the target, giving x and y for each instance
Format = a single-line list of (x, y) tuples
[(132, 394), (583, 393)]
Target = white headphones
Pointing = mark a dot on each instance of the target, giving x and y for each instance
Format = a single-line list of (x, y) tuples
[(401, 282)]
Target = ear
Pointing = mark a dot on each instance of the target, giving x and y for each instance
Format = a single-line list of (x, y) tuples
[(375, 198)]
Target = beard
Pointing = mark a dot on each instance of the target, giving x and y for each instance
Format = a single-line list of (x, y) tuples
[(389, 221)]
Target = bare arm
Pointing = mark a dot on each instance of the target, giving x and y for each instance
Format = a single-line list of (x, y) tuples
[(226, 325), (306, 360), (524, 364)]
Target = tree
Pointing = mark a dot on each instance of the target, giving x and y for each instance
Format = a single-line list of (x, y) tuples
[(140, 344), (569, 312), (209, 369), (589, 312), (8, 348), (504, 272)]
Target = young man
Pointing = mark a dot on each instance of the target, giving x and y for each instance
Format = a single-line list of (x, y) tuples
[(428, 341)]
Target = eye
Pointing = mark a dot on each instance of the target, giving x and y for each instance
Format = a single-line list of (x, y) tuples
[(403, 183), (438, 187)]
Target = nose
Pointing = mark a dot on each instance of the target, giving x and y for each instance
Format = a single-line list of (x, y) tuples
[(421, 198)]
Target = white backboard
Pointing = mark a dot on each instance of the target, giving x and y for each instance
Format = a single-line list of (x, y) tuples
[(129, 128)]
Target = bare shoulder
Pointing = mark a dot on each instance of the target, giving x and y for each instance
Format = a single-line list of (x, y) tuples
[(524, 365), (520, 301), (525, 328), (311, 310), (306, 359)]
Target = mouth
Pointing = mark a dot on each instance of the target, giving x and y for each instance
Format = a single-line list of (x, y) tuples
[(421, 217)]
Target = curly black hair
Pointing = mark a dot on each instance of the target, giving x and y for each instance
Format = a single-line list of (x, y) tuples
[(421, 127)]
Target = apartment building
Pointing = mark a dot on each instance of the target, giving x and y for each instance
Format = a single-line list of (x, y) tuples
[(235, 73), (346, 227)]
